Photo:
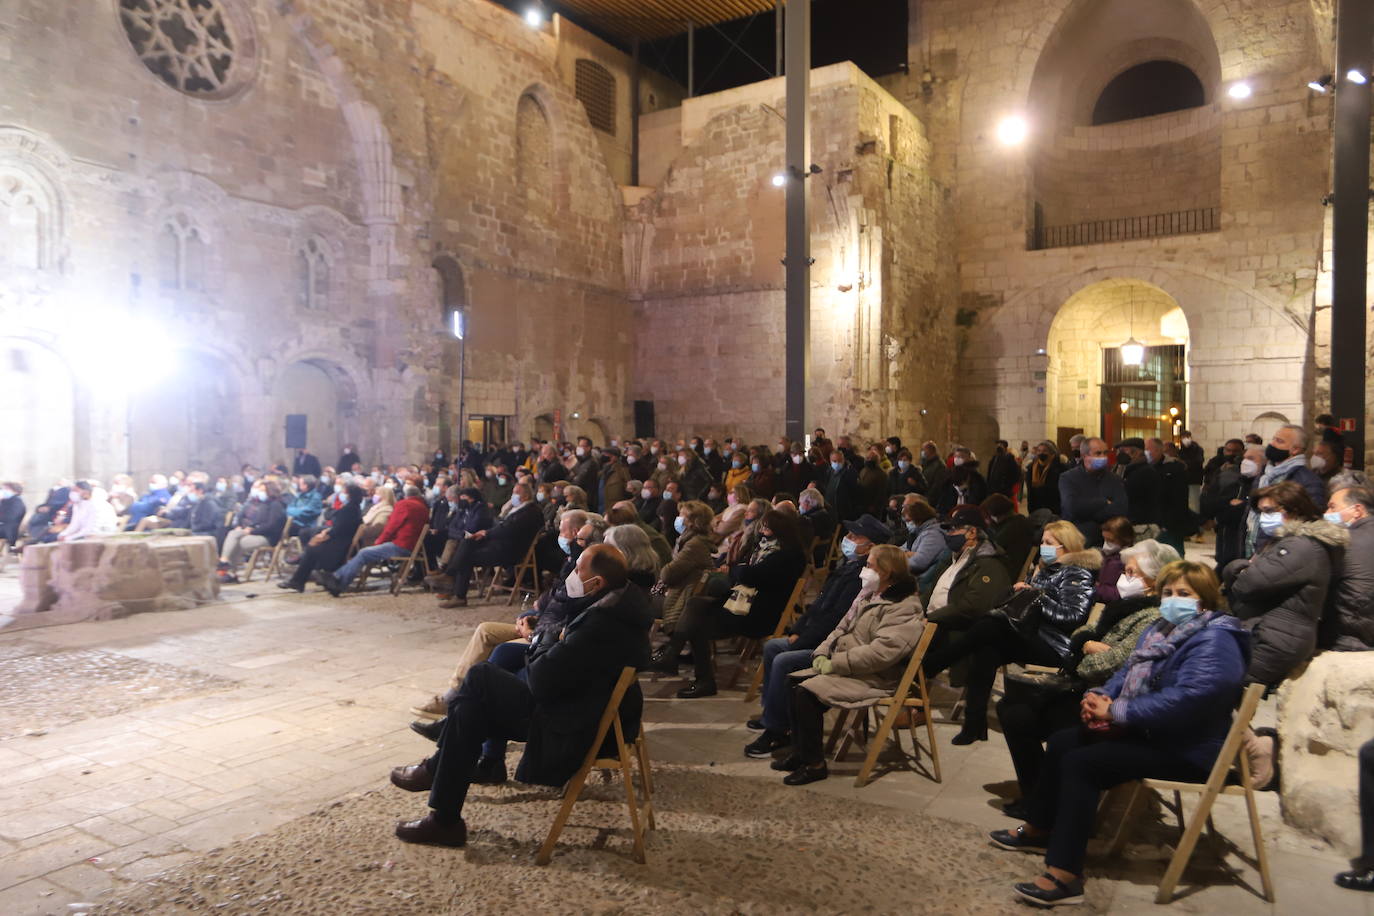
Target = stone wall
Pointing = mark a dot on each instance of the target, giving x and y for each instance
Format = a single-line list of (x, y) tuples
[(705, 253), (294, 220)]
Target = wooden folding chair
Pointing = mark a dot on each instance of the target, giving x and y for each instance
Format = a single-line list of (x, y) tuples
[(402, 570), (901, 699), (529, 564), (353, 547), (822, 572), (4, 553), (272, 553), (752, 647), (791, 612), (1232, 755), (641, 816)]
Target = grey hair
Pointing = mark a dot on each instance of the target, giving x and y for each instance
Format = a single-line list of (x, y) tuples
[(1299, 432), (1151, 556), (810, 499), (634, 543), (411, 491), (599, 526), (1362, 496)]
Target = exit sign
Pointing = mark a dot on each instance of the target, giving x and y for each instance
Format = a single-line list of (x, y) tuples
[(1347, 424)]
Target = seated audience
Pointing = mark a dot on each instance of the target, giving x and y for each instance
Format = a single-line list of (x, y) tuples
[(862, 660), (1348, 620), (199, 511), (1117, 534), (1011, 531), (91, 513), (555, 710), (647, 503), (792, 651), (503, 545), (1062, 583), (11, 511), (305, 505), (1361, 875), (1033, 709), (970, 581), (772, 570), (51, 514), (964, 485), (924, 543), (1280, 592), (328, 549), (155, 498), (623, 513), (730, 520), (378, 502), (1163, 715), (811, 505), (403, 530), (692, 558), (258, 524)]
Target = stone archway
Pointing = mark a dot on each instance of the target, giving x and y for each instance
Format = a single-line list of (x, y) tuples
[(39, 419), (189, 419), (1086, 332), (325, 395)]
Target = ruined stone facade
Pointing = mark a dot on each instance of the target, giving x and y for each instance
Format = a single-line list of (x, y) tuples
[(287, 225)]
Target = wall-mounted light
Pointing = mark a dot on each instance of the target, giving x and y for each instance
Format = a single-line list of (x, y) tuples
[(1356, 77), (779, 179), (1124, 408), (1322, 84), (534, 17), (1012, 130), (458, 324), (1239, 90)]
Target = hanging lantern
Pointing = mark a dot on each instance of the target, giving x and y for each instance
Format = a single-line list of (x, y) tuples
[(1132, 353)]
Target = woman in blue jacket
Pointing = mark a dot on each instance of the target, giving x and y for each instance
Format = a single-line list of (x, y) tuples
[(1163, 715)]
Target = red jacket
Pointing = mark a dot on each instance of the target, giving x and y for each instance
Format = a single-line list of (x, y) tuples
[(408, 519)]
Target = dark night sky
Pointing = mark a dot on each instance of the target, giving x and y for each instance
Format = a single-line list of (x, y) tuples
[(871, 33)]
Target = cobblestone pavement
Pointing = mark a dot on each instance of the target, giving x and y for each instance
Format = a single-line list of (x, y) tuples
[(303, 702)]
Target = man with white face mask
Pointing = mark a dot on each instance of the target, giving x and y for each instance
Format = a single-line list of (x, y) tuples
[(1348, 621), (555, 708), (1226, 502)]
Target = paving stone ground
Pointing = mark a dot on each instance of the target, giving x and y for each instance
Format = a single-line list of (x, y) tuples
[(297, 703)]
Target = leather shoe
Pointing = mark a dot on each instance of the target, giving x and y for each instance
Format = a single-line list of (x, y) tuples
[(1059, 895), (291, 585), (413, 779), (805, 774), (432, 832), (1359, 879), (490, 771), (664, 661), (969, 735), (453, 601), (697, 689), (430, 730), (328, 581), (788, 764)]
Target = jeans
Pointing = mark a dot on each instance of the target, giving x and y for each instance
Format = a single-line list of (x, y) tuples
[(373, 554), (1077, 768), (780, 660), (492, 703)]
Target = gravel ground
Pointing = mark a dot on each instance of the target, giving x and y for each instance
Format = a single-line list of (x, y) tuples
[(723, 845)]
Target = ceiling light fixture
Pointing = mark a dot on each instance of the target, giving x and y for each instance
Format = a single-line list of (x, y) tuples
[(534, 17), (1239, 91), (1012, 130)]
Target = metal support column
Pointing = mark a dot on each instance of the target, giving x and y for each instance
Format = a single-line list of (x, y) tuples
[(691, 60), (777, 37), (634, 112), (1350, 221), (798, 296)]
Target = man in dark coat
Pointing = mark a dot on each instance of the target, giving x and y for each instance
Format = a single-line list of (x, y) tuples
[(306, 463), (348, 459), (11, 511), (1090, 494), (1004, 471), (555, 710), (328, 548), (199, 511), (842, 487), (503, 545)]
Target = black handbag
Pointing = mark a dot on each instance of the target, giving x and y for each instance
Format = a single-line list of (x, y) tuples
[(1023, 609)]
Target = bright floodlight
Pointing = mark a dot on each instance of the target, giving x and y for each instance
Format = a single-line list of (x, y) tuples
[(779, 180), (534, 18), (1320, 85), (1132, 353), (1239, 91), (100, 350), (1012, 130), (1356, 76), (458, 324)]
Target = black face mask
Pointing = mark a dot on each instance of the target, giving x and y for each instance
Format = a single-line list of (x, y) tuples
[(1123, 457), (1275, 454), (955, 542)]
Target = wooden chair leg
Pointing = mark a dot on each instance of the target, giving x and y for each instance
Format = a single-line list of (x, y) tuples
[(1186, 845), (1256, 835), (570, 796), (627, 775), (836, 733), (645, 779), (877, 743), (755, 683), (929, 712), (1128, 815)]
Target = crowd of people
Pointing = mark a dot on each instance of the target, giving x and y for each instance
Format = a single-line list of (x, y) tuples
[(675, 545)]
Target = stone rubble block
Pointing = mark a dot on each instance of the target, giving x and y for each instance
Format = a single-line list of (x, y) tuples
[(108, 577), (1325, 714)]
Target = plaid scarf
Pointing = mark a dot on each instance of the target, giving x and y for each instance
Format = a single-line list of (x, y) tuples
[(1159, 642)]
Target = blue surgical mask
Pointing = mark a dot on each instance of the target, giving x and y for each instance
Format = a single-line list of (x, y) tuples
[(1178, 610), (848, 547), (668, 495), (755, 467), (836, 466), (1269, 522), (260, 496), (193, 497), (502, 480), (540, 496), (1335, 519), (1097, 463), (565, 545), (453, 506), (515, 501), (736, 464), (903, 464), (221, 486), (1048, 554), (911, 526), (680, 524)]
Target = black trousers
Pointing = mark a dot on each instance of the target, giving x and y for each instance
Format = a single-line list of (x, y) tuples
[(491, 703), (468, 554), (1078, 767), (808, 725), (309, 562), (1366, 859), (1028, 718), (988, 645), (704, 620)]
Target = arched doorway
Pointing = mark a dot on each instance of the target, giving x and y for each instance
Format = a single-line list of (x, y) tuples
[(38, 445), (1090, 376), (307, 388)]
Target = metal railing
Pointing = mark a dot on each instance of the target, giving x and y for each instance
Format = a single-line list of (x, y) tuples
[(1125, 229)]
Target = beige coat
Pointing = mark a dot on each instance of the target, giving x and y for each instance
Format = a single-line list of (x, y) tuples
[(682, 574), (869, 652)]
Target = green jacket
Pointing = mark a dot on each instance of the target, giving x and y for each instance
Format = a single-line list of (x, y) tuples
[(979, 587), (1122, 637)]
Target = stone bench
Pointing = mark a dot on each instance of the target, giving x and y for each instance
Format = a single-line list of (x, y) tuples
[(106, 577), (1325, 714)]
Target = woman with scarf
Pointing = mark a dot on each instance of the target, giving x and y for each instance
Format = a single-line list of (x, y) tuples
[(1163, 715), (772, 570), (1042, 478)]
